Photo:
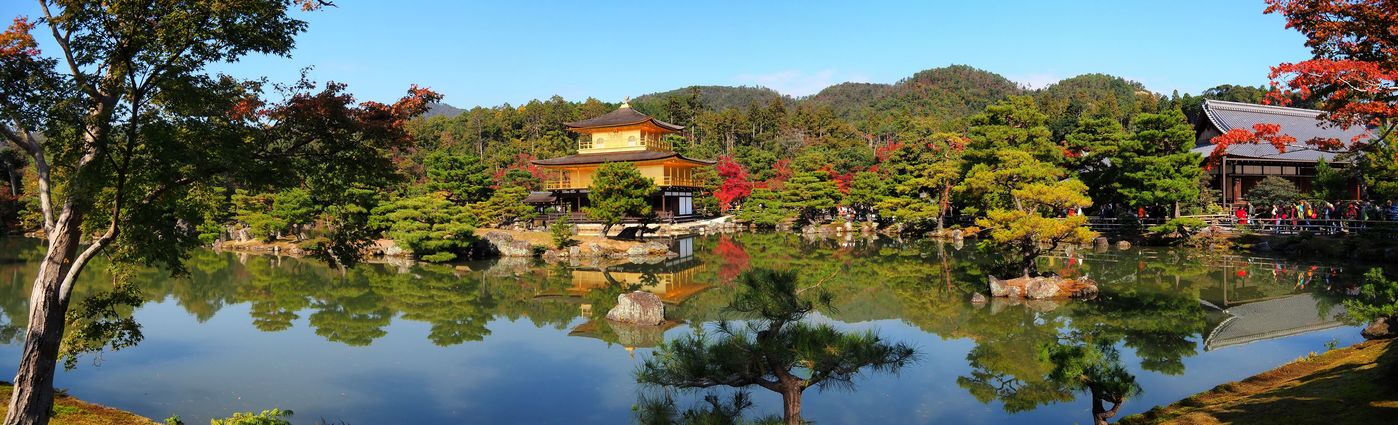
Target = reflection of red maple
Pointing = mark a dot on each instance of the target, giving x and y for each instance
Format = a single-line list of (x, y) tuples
[(734, 258)]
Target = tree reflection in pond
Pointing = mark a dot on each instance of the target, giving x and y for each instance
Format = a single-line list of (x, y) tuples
[(1157, 309), (775, 349)]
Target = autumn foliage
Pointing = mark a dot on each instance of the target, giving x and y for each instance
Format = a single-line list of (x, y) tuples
[(16, 40), (1270, 133), (1353, 73), (735, 186)]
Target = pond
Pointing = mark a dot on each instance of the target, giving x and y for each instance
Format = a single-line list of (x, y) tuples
[(521, 342)]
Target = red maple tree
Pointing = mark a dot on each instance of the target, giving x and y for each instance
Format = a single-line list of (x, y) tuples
[(735, 186), (1353, 72)]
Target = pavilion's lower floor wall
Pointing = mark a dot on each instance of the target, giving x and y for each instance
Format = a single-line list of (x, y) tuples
[(669, 203)]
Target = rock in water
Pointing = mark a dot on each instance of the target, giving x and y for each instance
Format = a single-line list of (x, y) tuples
[(1123, 245), (1377, 330), (1042, 288), (507, 246), (977, 298), (1100, 243), (638, 308)]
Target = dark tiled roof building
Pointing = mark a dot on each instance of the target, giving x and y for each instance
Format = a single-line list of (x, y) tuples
[(1244, 165)]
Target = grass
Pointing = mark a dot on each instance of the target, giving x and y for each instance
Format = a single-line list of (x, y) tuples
[(1354, 385), (71, 411)]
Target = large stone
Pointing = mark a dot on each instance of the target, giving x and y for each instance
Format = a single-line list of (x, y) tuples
[(507, 246), (1378, 330), (638, 308), (1042, 288), (1100, 243), (648, 249), (1123, 245), (978, 299)]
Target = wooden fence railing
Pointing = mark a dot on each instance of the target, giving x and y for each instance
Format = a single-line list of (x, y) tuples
[(1267, 225)]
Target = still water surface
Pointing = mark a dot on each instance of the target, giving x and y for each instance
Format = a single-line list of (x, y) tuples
[(520, 342)]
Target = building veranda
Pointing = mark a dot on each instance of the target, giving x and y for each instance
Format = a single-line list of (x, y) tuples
[(623, 135)]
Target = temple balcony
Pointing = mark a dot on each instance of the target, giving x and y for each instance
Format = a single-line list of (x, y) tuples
[(562, 184)]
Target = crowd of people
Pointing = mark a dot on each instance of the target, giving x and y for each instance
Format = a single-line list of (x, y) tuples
[(1319, 217)]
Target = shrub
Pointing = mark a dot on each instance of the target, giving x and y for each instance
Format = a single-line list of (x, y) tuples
[(562, 232), (267, 417)]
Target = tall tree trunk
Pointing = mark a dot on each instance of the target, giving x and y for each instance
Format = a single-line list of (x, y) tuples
[(32, 400), (791, 405)]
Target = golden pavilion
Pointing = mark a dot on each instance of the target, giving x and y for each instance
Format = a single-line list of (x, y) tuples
[(623, 135)]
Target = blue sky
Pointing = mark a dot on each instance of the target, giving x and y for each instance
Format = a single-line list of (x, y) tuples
[(487, 53)]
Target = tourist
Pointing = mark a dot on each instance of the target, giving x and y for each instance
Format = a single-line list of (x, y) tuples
[(1392, 210)]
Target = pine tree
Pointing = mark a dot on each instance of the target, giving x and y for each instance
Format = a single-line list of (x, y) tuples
[(1157, 165), (777, 350), (764, 208), (462, 177), (618, 190), (811, 194)]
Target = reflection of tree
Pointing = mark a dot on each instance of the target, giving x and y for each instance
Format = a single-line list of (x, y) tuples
[(1097, 370), (457, 308), (714, 410), (776, 350), (733, 259)]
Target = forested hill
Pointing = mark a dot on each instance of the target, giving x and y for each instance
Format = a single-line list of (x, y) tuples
[(442, 109), (715, 97), (842, 126)]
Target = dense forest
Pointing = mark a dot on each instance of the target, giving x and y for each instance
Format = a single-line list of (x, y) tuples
[(907, 153), (842, 125)]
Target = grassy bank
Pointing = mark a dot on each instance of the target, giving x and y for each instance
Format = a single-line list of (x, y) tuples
[(1353, 385), (71, 411)]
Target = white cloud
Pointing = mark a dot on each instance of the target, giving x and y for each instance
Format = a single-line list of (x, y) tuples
[(799, 83), (1035, 81)]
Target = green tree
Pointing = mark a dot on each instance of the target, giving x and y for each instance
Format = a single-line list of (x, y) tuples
[(618, 190), (1026, 197), (431, 226), (1033, 227), (1329, 183), (561, 230), (462, 177), (1158, 167), (255, 211), (1377, 300), (1273, 190), (133, 120), (1015, 123), (769, 350), (295, 208), (1097, 370), (506, 205), (1095, 154), (921, 176), (811, 194), (764, 208), (866, 190), (516, 177)]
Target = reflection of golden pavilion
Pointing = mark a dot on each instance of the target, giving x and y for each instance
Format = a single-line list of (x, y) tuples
[(673, 287), (673, 281)]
